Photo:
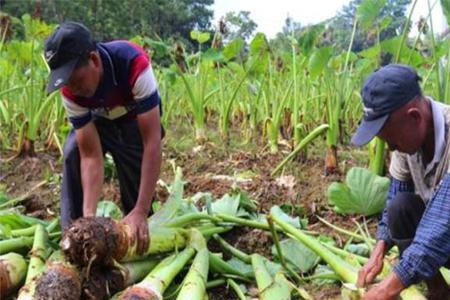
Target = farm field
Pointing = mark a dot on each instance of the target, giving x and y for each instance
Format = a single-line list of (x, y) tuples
[(261, 194)]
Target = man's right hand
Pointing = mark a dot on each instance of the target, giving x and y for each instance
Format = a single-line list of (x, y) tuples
[(373, 267)]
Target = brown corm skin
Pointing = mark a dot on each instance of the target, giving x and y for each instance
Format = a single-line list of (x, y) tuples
[(5, 283), (59, 282), (138, 293), (94, 240)]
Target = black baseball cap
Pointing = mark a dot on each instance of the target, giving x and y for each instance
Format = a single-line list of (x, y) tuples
[(64, 48), (385, 90)]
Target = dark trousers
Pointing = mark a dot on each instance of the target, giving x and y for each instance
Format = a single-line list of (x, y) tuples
[(122, 139), (404, 213)]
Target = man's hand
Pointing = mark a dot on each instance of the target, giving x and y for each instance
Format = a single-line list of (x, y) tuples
[(137, 220), (373, 267), (388, 289)]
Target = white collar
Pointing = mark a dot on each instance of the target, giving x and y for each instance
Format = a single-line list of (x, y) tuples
[(439, 133)]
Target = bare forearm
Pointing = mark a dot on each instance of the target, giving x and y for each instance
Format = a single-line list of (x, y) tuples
[(92, 180), (151, 164)]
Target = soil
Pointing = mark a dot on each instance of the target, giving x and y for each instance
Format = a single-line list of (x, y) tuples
[(214, 168)]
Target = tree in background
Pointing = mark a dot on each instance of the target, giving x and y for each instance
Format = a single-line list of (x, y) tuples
[(238, 25), (341, 25), (111, 19)]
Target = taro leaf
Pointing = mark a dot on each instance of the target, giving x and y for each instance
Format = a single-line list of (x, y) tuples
[(281, 289), (227, 205), (259, 44), (109, 209), (363, 193), (298, 255), (319, 60), (359, 249), (272, 267), (213, 55), (328, 275), (200, 37), (244, 268), (233, 48), (408, 55), (159, 47), (171, 207), (309, 38), (246, 202), (276, 210), (368, 12)]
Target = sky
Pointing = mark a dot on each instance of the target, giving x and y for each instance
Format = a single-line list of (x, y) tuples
[(271, 14)]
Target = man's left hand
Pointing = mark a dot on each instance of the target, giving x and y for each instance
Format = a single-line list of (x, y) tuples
[(378, 293), (137, 221), (389, 289)]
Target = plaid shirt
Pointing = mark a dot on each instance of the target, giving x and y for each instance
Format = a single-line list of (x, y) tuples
[(430, 248)]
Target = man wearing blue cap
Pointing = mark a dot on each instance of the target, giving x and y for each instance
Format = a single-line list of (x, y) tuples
[(111, 99), (417, 214)]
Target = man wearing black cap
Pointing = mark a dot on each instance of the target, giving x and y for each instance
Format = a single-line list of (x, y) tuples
[(417, 214), (111, 98)]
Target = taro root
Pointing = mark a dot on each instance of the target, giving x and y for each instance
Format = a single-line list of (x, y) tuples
[(60, 281), (13, 270), (93, 240), (140, 293), (101, 283), (100, 241)]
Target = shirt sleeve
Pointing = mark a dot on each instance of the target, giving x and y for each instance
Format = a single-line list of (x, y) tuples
[(430, 248), (383, 228), (399, 168), (144, 84), (77, 115)]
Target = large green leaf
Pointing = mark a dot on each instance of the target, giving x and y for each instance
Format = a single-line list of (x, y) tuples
[(298, 255), (277, 211), (171, 207), (360, 249), (233, 48), (228, 205), (319, 60), (200, 37), (259, 44), (368, 11), (241, 266), (107, 208), (408, 55), (309, 38), (213, 55), (363, 193)]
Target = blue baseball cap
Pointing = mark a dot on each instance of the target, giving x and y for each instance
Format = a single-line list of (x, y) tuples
[(385, 90)]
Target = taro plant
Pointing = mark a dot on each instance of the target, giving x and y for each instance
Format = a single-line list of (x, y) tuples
[(362, 193)]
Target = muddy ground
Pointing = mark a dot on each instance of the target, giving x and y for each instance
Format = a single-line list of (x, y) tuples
[(209, 168)]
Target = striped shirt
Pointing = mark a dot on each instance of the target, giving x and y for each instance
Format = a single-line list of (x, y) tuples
[(128, 86)]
